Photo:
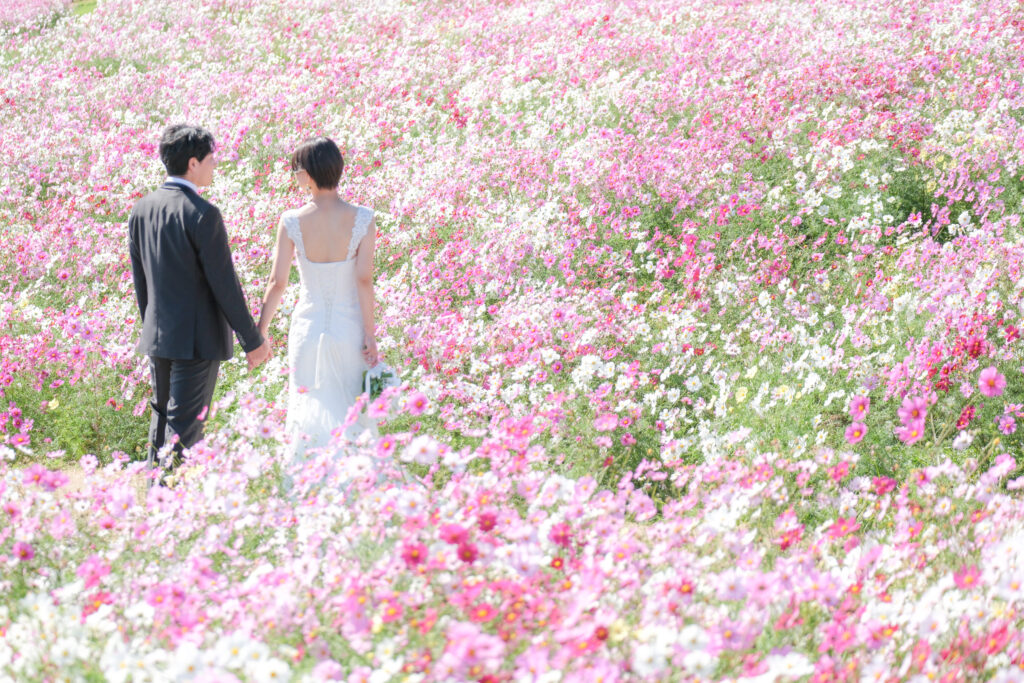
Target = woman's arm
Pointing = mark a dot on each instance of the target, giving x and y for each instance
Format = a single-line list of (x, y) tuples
[(364, 289), (283, 252)]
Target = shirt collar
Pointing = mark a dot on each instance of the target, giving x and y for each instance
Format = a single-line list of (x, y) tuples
[(181, 181)]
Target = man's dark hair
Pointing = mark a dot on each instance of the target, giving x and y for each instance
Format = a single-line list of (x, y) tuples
[(181, 142), (321, 159)]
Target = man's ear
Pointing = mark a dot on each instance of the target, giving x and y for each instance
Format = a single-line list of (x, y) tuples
[(193, 163)]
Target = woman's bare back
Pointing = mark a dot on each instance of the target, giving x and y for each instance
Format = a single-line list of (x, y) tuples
[(327, 230)]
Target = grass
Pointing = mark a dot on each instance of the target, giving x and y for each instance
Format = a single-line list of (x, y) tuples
[(80, 7)]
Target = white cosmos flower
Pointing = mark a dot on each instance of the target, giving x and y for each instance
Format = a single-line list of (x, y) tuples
[(272, 670), (422, 450)]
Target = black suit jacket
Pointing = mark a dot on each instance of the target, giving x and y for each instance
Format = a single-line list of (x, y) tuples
[(188, 293)]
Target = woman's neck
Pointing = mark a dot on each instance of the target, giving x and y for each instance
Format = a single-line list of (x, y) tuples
[(320, 197)]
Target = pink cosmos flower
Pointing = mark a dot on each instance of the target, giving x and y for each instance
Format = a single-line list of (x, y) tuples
[(392, 611), (416, 403), (453, 533), (1006, 424), (911, 433), (414, 554), (470, 650), (468, 553), (883, 485), (378, 408), (385, 447), (92, 570), (843, 527), (560, 534), (482, 613), (991, 382), (487, 520), (913, 410), (855, 432), (859, 407), (967, 577), (34, 474), (89, 463), (606, 422), (23, 551)]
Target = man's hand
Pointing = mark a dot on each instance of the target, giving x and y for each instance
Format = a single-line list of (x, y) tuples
[(259, 355)]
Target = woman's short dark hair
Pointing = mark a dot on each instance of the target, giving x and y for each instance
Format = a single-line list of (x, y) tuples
[(181, 142), (321, 159)]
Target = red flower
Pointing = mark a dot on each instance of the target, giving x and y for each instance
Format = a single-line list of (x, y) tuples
[(790, 537)]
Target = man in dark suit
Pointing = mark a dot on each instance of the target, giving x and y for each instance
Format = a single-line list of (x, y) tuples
[(188, 293)]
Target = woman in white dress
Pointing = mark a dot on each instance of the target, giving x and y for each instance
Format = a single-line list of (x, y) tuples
[(331, 338)]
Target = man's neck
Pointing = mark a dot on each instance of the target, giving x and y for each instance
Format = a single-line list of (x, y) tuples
[(181, 180)]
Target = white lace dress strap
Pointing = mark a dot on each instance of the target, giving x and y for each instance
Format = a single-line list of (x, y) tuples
[(291, 226), (359, 229)]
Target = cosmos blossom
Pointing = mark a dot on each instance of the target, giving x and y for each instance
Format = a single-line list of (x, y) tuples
[(991, 382)]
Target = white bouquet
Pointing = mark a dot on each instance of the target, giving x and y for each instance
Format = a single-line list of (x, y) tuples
[(378, 378)]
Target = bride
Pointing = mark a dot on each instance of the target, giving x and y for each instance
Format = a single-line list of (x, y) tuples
[(331, 338)]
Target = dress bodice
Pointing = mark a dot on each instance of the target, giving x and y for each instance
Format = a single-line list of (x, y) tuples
[(327, 286)]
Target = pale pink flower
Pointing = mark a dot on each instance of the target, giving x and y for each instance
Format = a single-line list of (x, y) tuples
[(913, 410), (991, 382), (606, 422)]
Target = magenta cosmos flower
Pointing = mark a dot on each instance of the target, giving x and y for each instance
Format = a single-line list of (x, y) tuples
[(991, 382), (23, 551)]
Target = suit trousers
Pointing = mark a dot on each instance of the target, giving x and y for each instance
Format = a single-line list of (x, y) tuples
[(182, 390)]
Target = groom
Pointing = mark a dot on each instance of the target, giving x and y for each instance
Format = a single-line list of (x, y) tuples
[(188, 293)]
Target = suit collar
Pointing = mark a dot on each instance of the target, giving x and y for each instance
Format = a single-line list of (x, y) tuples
[(178, 186)]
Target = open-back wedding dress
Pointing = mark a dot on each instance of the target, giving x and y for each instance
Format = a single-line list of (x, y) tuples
[(325, 341)]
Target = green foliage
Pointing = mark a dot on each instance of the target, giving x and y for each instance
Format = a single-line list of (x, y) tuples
[(89, 416)]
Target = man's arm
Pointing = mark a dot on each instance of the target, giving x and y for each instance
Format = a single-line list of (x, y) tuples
[(211, 240), (138, 273)]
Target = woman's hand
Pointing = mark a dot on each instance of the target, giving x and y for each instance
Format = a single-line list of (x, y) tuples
[(370, 354)]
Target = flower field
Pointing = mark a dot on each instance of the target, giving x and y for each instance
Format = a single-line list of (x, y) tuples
[(709, 318)]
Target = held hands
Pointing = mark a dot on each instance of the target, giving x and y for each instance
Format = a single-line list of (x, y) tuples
[(370, 354), (259, 355)]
